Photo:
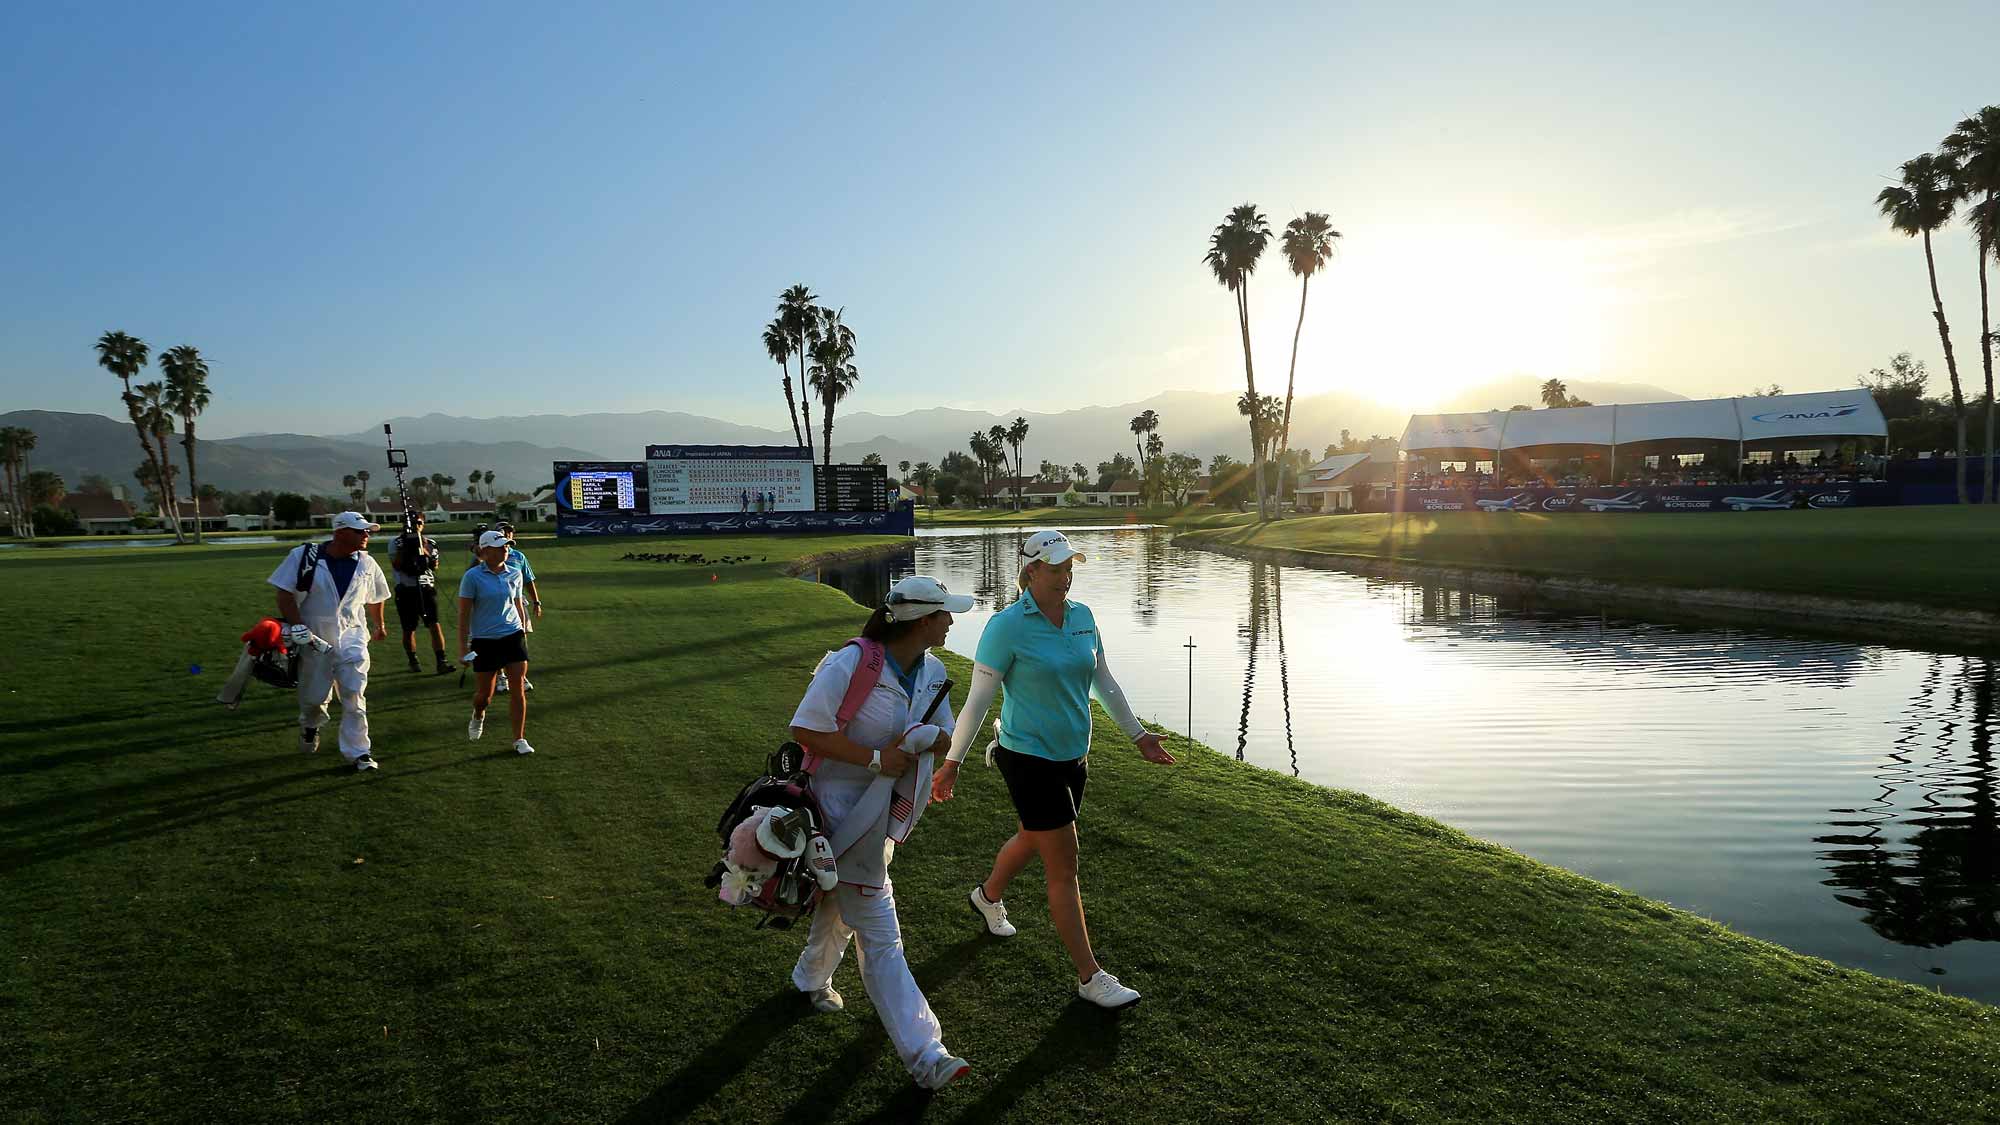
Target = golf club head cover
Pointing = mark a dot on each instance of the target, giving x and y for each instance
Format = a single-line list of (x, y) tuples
[(823, 867)]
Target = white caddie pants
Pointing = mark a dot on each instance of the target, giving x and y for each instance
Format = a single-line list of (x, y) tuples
[(321, 677), (869, 916)]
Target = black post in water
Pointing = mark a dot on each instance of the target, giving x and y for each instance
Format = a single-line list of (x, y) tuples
[(1189, 646)]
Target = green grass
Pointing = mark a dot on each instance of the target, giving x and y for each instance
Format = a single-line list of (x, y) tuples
[(1940, 556), (202, 924), (970, 517)]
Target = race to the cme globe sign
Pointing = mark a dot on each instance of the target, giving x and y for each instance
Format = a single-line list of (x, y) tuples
[(728, 478)]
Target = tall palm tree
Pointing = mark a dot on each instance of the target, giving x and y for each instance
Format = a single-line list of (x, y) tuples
[(800, 316), (833, 373), (362, 476), (15, 441), (490, 494), (1143, 423), (923, 474), (1975, 147), (1016, 434), (1308, 244), (1233, 250), (159, 422), (778, 345), (1078, 473), (187, 396), (1555, 394), (1918, 205), (125, 356), (350, 482)]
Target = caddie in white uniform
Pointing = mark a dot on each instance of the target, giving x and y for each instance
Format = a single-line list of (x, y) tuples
[(343, 608)]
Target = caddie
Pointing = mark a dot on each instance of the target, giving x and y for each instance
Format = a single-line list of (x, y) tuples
[(333, 592)]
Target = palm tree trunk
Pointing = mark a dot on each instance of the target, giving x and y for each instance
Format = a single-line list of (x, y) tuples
[(1250, 379), (173, 494), (1285, 431), (791, 406), (13, 480), (1950, 365), (805, 400), (1986, 359), (194, 485), (826, 444), (145, 442)]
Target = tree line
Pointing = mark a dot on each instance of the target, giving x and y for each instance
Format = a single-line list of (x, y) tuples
[(823, 344)]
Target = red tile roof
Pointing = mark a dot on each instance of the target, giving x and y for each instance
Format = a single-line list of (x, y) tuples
[(97, 506)]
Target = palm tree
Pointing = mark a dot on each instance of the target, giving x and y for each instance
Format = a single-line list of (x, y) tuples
[(438, 487), (1918, 205), (187, 396), (1308, 243), (159, 422), (1975, 147), (490, 494), (15, 442), (983, 451), (833, 373), (448, 483), (923, 474), (125, 356), (1016, 434), (350, 482), (800, 316), (362, 476), (1555, 395), (1142, 424), (1233, 250), (778, 345)]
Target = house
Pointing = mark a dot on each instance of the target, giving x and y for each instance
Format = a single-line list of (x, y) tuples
[(388, 515), (1120, 494), (99, 513), (1333, 484), (1197, 493), (1043, 493), (539, 508), (466, 511), (209, 511)]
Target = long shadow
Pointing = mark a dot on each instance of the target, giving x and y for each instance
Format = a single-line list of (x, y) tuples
[(78, 719), (1085, 1036), (701, 1078)]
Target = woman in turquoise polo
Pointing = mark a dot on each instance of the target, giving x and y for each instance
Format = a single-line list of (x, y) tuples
[(1046, 651)]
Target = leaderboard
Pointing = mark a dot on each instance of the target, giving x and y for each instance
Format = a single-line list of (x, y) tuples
[(603, 491)]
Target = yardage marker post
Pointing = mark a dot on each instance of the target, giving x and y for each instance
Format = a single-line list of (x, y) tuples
[(1190, 646)]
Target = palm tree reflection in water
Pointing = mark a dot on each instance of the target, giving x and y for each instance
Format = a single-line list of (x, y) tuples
[(1940, 883)]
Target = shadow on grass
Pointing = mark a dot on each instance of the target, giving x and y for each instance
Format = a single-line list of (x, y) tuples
[(1084, 1037)]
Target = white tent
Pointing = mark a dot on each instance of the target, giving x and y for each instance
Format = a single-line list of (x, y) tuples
[(1777, 418)]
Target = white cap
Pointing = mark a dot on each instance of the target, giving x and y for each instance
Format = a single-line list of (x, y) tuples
[(493, 539), (1051, 547), (920, 595), (354, 521)]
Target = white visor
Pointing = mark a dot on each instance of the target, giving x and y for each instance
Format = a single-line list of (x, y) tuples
[(1051, 547), (920, 595)]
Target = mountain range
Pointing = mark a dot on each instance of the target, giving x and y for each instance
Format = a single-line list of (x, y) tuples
[(519, 449)]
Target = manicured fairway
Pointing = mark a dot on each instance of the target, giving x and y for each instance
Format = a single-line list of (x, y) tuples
[(201, 924), (1940, 556)]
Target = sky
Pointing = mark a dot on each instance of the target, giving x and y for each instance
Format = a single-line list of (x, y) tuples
[(363, 211)]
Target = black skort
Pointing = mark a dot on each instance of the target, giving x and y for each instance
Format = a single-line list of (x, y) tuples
[(493, 654), (1047, 794), (416, 605)]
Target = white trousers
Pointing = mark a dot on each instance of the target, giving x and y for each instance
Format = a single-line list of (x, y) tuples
[(869, 916), (321, 677)]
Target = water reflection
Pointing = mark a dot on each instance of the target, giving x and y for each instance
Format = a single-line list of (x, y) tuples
[(1922, 860), (865, 580)]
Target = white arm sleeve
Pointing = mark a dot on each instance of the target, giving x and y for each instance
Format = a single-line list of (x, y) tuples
[(1112, 696), (985, 686)]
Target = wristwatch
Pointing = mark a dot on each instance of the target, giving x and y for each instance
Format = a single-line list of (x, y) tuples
[(875, 762)]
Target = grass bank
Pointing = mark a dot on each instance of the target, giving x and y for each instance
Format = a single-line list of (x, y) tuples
[(202, 924), (1929, 556), (1064, 517)]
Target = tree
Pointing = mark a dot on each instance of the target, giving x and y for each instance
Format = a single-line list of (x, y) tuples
[(1116, 469), (351, 483), (1155, 472), (15, 442), (96, 484), (1555, 395), (159, 422), (1229, 480), (1271, 414), (1307, 244), (438, 493), (799, 316), (1078, 474), (1772, 391), (1050, 471), (1016, 434), (778, 345), (1519, 406), (902, 470), (448, 483), (1898, 390), (873, 459), (1142, 424), (833, 373), (187, 396), (125, 356), (1974, 146), (988, 450), (1918, 205), (944, 487), (43, 487), (290, 508), (48, 519), (1233, 250), (925, 476), (1180, 474)]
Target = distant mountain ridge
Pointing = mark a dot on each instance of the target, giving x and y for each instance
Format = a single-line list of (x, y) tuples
[(519, 449)]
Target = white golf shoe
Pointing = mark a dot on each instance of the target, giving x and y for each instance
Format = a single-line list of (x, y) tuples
[(475, 728), (827, 1000), (1103, 990), (365, 762), (994, 914), (521, 746), (946, 1070)]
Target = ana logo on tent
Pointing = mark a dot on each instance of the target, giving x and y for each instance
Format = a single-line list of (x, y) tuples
[(1806, 415)]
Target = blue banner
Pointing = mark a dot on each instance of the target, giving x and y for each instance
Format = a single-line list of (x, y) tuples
[(902, 521), (1690, 498)]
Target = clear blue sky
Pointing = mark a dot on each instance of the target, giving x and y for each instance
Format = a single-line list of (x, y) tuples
[(497, 209)]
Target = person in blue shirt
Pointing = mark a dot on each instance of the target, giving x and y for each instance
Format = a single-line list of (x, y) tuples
[(492, 632), (1046, 651), (531, 593)]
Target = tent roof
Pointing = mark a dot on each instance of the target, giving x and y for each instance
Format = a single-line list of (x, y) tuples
[(1778, 417)]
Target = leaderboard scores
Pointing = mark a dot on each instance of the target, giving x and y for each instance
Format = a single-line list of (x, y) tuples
[(602, 491)]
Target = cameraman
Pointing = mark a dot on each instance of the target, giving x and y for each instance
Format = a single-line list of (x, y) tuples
[(415, 561)]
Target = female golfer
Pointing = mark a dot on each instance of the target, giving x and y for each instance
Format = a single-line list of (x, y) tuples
[(491, 611), (872, 780), (1045, 649)]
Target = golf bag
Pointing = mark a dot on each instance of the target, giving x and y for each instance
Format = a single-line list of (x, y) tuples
[(791, 892), (265, 658)]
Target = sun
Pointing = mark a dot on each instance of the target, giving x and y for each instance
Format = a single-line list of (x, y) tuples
[(1411, 315)]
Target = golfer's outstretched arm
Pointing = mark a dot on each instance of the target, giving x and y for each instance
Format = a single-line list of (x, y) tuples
[(1107, 691), (978, 697)]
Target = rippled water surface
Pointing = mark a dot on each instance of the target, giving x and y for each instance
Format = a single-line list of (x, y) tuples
[(1839, 798)]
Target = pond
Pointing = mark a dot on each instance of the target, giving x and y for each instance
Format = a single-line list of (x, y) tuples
[(1836, 797)]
